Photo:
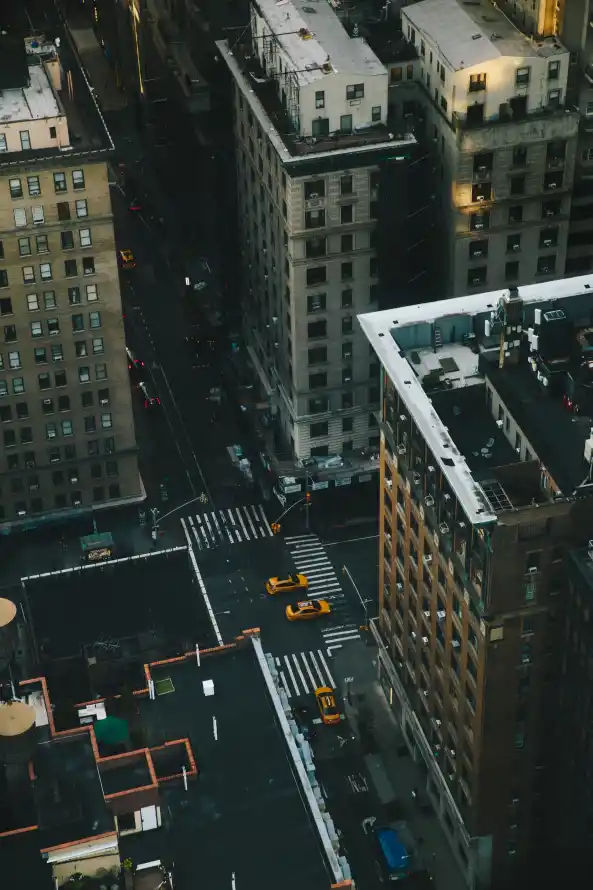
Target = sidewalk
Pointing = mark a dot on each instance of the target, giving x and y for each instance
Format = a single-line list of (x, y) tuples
[(372, 719)]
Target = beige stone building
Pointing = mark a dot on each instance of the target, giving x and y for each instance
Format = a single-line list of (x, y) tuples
[(67, 430)]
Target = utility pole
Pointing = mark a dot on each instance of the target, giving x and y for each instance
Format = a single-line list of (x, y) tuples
[(154, 512)]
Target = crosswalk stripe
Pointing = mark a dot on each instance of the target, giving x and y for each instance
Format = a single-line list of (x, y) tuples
[(299, 671), (318, 574), (265, 519), (289, 669), (330, 584), (301, 538), (248, 517), (308, 669), (235, 526), (317, 671), (307, 549), (242, 524), (351, 635), (313, 563), (327, 670), (339, 629)]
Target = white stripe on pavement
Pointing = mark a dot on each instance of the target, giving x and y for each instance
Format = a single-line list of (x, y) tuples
[(308, 669), (198, 575), (265, 519), (299, 671), (302, 538), (289, 669), (327, 670)]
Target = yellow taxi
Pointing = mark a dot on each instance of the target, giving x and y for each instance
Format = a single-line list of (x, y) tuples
[(281, 585), (126, 259), (326, 702), (308, 609)]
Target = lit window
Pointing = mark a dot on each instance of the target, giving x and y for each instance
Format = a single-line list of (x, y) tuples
[(20, 217), (38, 215), (85, 237), (81, 208), (98, 345), (92, 293), (106, 421)]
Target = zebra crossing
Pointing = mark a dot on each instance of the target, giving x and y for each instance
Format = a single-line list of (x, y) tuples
[(234, 525), (310, 557), (303, 672)]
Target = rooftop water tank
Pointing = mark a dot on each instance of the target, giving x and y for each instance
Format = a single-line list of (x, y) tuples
[(8, 631), (17, 732)]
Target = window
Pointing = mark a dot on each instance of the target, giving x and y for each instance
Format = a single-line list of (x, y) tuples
[(355, 91), (90, 424), (478, 249), (57, 352), (347, 350), (316, 275), (346, 243), (106, 421), (477, 82), (517, 185), (587, 155), (81, 349), (516, 214), (92, 294), (553, 70), (85, 237), (18, 385), (318, 355), (314, 189), (318, 429), (41, 243), (63, 209), (52, 133), (25, 140), (81, 207), (519, 156), (44, 381), (60, 184), (548, 238), (346, 185), (315, 247), (87, 399), (33, 186), (84, 374), (553, 180), (53, 326), (60, 378), (346, 271), (3, 145), (511, 270), (98, 346), (546, 265), (373, 267), (376, 113), (45, 271), (477, 276), (9, 438), (443, 103), (26, 439), (16, 188), (88, 265), (314, 219), (77, 323), (522, 77), (22, 410), (36, 329), (70, 268), (67, 240), (51, 430), (114, 490), (40, 354), (554, 98), (551, 208), (67, 428), (347, 324), (481, 192), (317, 329), (38, 216), (317, 381), (347, 374), (24, 245), (101, 371), (74, 296), (47, 406), (78, 179), (28, 274), (5, 306), (32, 302), (20, 217), (347, 400), (345, 123), (346, 298), (319, 99), (513, 242), (346, 213), (316, 303), (5, 413)]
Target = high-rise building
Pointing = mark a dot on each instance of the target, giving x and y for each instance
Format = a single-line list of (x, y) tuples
[(495, 103), (320, 176), (486, 483), (65, 405)]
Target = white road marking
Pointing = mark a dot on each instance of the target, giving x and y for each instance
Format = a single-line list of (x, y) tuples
[(316, 666), (265, 519), (327, 670), (299, 671), (251, 525), (308, 669)]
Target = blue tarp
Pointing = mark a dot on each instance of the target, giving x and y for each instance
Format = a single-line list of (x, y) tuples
[(396, 855)]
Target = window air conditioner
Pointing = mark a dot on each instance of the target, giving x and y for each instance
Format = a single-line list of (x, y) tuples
[(313, 195), (545, 270), (22, 513), (34, 486), (532, 570), (478, 226), (480, 198), (47, 401), (77, 503), (104, 402), (401, 449), (475, 281), (30, 464), (416, 478), (428, 558), (429, 500), (553, 185), (477, 253), (443, 528), (548, 242), (482, 169), (399, 586)]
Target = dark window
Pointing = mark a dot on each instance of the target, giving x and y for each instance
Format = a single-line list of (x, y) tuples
[(548, 238), (114, 491), (551, 208), (314, 219), (346, 243), (347, 271), (314, 189), (546, 265), (483, 163), (482, 191), (74, 296), (477, 82), (318, 405), (347, 424), (318, 355), (63, 210), (511, 270), (346, 298), (317, 381), (316, 275), (316, 302), (315, 247), (477, 276), (347, 324), (553, 180), (88, 265), (355, 91), (518, 185), (346, 185), (516, 214), (319, 429), (519, 156), (346, 213), (67, 240), (70, 268), (5, 306), (513, 242), (479, 221), (317, 329), (478, 249), (320, 126), (522, 76)]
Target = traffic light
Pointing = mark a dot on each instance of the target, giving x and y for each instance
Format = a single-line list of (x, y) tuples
[(308, 497), (276, 528)]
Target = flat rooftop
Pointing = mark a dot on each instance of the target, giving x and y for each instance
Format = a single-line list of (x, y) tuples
[(39, 101), (245, 814), (311, 35), (261, 94), (470, 33), (427, 378), (117, 609)]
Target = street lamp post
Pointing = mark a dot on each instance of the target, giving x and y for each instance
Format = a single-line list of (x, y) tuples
[(363, 602)]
